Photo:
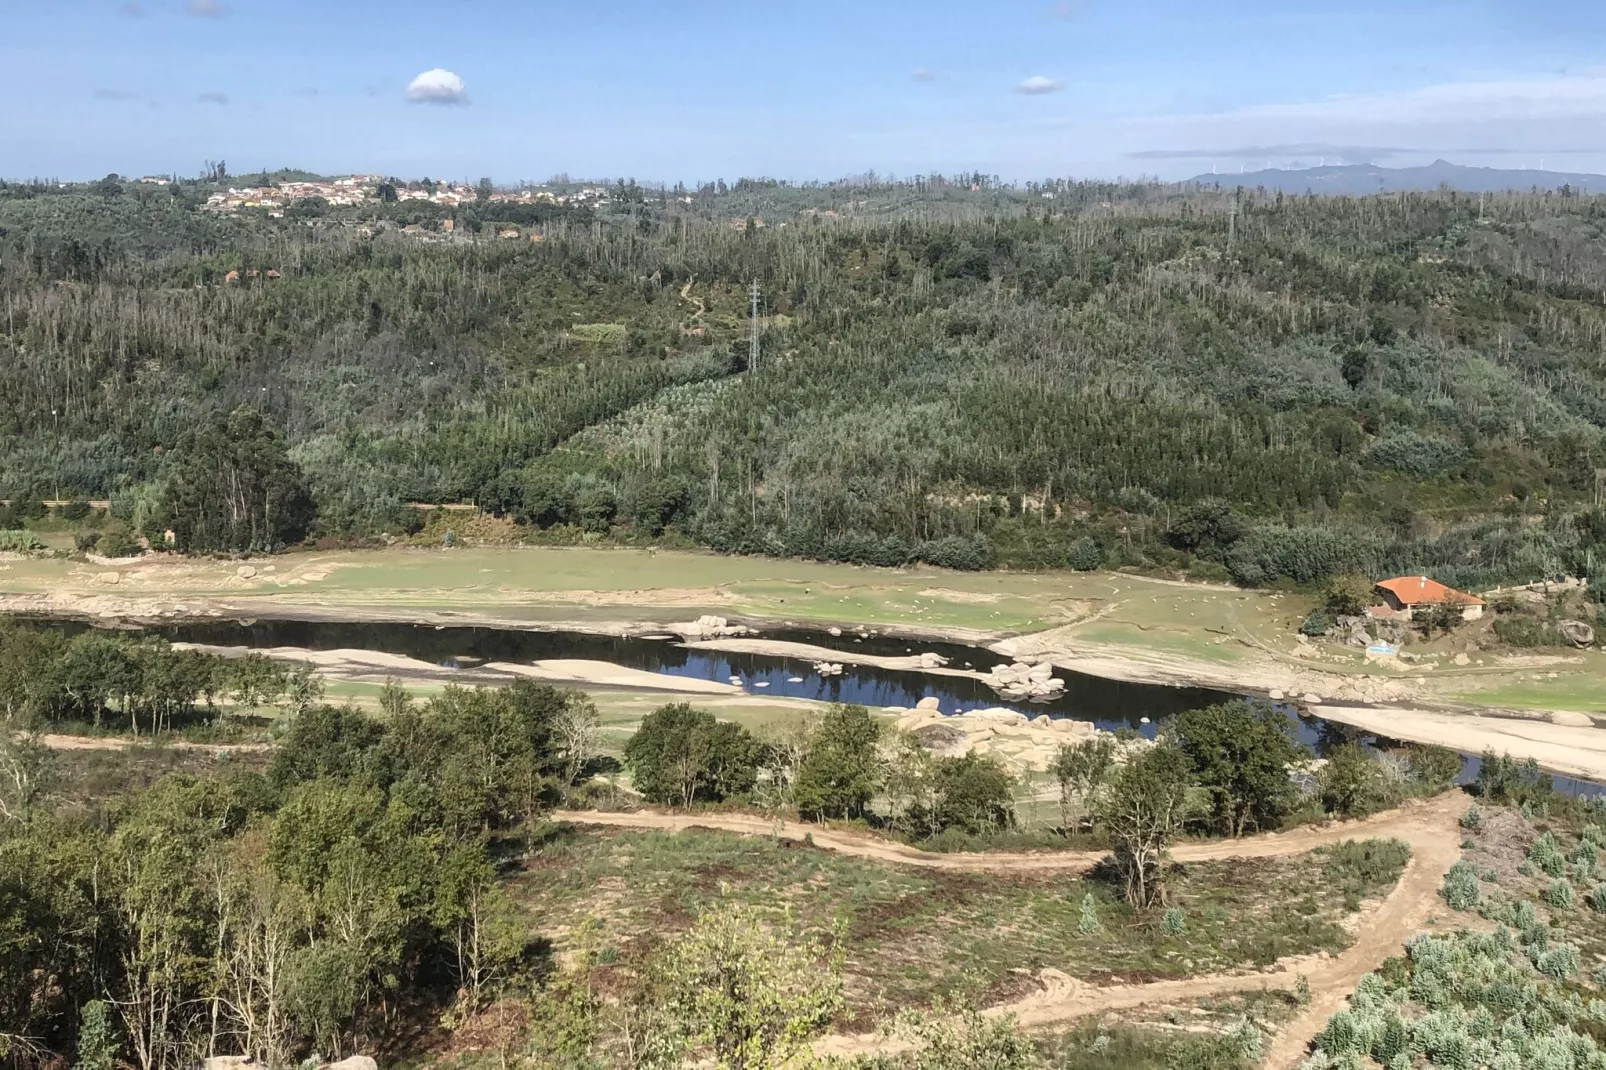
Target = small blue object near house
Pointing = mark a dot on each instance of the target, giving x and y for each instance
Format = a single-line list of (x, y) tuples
[(1385, 650)]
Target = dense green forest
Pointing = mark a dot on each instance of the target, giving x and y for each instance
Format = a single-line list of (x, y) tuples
[(967, 373)]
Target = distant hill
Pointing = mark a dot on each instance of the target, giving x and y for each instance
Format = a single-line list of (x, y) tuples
[(1357, 179)]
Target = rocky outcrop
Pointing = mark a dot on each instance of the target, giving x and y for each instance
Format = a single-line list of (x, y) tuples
[(1024, 680), (354, 1062), (710, 627), (1576, 632), (1022, 744), (229, 1062)]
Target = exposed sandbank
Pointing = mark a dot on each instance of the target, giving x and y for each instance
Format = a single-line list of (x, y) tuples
[(373, 666), (1569, 749)]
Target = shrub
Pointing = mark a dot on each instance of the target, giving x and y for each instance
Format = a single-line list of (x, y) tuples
[(1173, 923), (1351, 782), (1461, 887), (1559, 963), (1357, 864), (19, 542), (1472, 819), (961, 554), (1414, 454), (1304, 555), (1560, 894), (1347, 595), (1085, 554), (1523, 633), (117, 542), (1546, 855), (85, 541), (1088, 923), (1316, 624), (1433, 768), (1597, 899)]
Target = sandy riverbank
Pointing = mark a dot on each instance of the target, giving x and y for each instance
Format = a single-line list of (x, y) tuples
[(372, 666), (1568, 749)]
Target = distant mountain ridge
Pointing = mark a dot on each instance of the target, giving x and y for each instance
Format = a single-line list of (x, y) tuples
[(1360, 179)]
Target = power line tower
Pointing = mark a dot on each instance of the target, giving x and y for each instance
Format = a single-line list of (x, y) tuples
[(752, 341)]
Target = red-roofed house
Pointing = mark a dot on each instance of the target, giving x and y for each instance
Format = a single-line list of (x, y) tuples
[(1404, 594)]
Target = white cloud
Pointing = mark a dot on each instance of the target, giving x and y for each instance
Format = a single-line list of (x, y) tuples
[(1037, 85), (438, 86), (206, 9)]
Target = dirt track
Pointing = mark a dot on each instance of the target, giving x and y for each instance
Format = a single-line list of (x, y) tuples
[(1399, 823), (55, 742), (1428, 827)]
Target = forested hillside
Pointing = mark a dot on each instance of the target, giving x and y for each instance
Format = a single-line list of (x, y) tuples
[(1237, 383)]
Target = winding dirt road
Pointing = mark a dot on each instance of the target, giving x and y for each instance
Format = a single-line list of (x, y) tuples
[(1408, 821), (1429, 827)]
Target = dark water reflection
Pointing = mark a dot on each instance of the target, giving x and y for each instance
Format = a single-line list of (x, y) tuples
[(1110, 703)]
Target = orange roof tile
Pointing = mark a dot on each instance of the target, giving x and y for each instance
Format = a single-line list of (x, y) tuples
[(1421, 591)]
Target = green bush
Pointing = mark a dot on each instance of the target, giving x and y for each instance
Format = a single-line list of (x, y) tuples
[(1347, 595), (19, 542), (1174, 924), (1085, 555), (1526, 633), (1558, 963), (1088, 922), (1433, 768), (1461, 887), (1303, 555), (1597, 899), (1472, 819), (1317, 624), (1560, 894), (1545, 854), (1414, 454), (116, 541)]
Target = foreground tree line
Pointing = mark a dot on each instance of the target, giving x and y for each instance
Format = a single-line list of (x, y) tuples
[(336, 901), (1225, 770), (102, 679), (1261, 387)]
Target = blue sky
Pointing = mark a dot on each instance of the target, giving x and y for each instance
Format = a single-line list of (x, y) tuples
[(714, 88)]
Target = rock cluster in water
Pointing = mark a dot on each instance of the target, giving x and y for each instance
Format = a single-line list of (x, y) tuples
[(1024, 679), (710, 627)]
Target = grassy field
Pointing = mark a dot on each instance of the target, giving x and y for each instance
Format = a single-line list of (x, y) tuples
[(918, 936), (598, 584)]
